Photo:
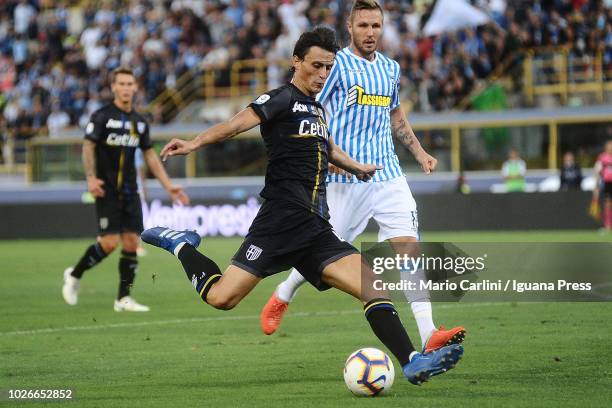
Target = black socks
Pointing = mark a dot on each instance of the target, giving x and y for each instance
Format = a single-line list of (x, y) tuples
[(92, 256), (202, 271), (387, 326), (128, 264)]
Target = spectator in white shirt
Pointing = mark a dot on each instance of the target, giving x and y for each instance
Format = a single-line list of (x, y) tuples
[(57, 121), (23, 14)]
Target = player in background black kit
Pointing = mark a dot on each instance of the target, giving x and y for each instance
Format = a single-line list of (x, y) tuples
[(112, 136), (292, 228), (571, 173)]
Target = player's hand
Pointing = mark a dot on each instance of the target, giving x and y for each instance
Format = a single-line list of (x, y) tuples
[(94, 186), (177, 147), (428, 162), (177, 194), (367, 171), (337, 170)]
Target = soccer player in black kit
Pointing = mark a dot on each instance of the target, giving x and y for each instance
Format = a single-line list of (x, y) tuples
[(112, 136), (292, 228)]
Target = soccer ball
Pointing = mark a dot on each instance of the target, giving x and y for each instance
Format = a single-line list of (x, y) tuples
[(368, 372)]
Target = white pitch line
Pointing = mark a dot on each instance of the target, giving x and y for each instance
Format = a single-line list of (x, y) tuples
[(214, 319)]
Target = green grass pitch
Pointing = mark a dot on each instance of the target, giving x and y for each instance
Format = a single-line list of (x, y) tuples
[(184, 353)]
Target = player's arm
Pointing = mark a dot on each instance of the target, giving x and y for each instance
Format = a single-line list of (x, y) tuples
[(175, 192), (94, 184), (142, 176), (340, 158), (244, 120), (402, 131)]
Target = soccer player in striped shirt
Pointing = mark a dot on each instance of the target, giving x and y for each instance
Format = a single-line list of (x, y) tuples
[(361, 97)]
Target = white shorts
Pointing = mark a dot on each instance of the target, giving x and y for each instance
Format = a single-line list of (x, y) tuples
[(351, 205)]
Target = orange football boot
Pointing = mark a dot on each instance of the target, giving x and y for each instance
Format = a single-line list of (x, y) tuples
[(441, 337), (272, 314)]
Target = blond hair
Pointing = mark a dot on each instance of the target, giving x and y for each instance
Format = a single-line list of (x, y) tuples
[(365, 5)]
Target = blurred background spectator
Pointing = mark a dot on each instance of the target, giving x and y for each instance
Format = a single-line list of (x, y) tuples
[(571, 173), (513, 171)]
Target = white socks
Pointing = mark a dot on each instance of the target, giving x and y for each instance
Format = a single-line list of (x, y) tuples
[(419, 302), (287, 288), (424, 319)]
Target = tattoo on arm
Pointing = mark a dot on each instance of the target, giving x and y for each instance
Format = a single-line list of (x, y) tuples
[(402, 131), (89, 158)]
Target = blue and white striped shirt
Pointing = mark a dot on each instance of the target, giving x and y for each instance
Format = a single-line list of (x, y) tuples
[(359, 96)]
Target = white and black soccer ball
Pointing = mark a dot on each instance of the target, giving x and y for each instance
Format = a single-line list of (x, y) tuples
[(369, 372)]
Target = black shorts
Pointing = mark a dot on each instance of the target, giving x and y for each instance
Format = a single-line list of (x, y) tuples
[(119, 214), (607, 190), (284, 235)]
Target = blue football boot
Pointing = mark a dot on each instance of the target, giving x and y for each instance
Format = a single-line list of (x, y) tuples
[(170, 239), (424, 366)]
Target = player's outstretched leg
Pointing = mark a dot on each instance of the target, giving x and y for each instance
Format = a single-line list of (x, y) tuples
[(201, 270), (345, 275), (221, 291), (272, 313)]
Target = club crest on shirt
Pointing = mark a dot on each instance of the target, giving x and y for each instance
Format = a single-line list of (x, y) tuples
[(141, 126), (253, 252)]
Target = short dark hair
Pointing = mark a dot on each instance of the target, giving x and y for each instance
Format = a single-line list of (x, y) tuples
[(121, 70), (320, 36)]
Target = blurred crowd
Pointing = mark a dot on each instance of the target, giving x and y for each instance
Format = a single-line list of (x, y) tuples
[(55, 58), (441, 71)]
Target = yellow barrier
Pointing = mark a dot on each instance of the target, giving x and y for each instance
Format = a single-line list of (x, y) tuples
[(455, 131), (564, 74), (246, 77)]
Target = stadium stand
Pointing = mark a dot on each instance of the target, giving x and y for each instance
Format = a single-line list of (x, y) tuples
[(55, 56)]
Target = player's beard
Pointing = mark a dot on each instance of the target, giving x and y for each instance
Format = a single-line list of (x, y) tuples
[(367, 49)]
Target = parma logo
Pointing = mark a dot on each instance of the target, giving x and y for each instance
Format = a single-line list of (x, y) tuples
[(357, 95)]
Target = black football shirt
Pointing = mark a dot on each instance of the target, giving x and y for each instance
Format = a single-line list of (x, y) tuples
[(117, 134), (296, 137)]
